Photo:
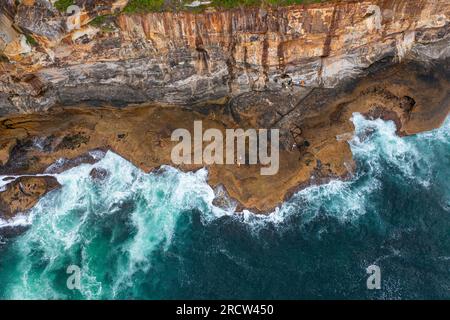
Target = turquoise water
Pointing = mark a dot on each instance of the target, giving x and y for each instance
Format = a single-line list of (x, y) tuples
[(158, 236)]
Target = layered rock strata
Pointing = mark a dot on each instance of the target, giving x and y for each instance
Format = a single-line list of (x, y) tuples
[(301, 69)]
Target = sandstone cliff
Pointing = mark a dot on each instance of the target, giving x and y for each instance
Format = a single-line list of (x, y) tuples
[(302, 69), (185, 58)]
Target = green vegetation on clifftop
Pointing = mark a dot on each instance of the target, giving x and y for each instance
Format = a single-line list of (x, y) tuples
[(139, 6), (144, 6), (62, 5)]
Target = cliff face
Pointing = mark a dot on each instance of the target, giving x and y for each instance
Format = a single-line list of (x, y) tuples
[(185, 58), (302, 69)]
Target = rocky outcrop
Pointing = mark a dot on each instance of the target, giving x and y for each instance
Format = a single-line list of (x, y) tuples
[(314, 129), (184, 58), (302, 69), (23, 193)]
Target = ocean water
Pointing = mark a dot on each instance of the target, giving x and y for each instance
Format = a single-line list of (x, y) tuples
[(158, 236)]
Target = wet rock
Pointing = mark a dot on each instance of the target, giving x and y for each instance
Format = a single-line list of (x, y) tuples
[(379, 112), (63, 164), (10, 232), (323, 115), (23, 193), (222, 199), (366, 134), (99, 174), (407, 104)]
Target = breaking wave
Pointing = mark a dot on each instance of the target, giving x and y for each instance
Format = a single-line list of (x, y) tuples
[(120, 226)]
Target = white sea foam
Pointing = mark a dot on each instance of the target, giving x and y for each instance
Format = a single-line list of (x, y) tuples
[(65, 220), (384, 145), (56, 165), (17, 221), (374, 142)]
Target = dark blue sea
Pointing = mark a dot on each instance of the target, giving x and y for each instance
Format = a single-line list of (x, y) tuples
[(159, 236)]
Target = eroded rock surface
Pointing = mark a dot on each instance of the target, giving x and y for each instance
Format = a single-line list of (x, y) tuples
[(301, 69), (184, 58), (314, 129), (23, 193)]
